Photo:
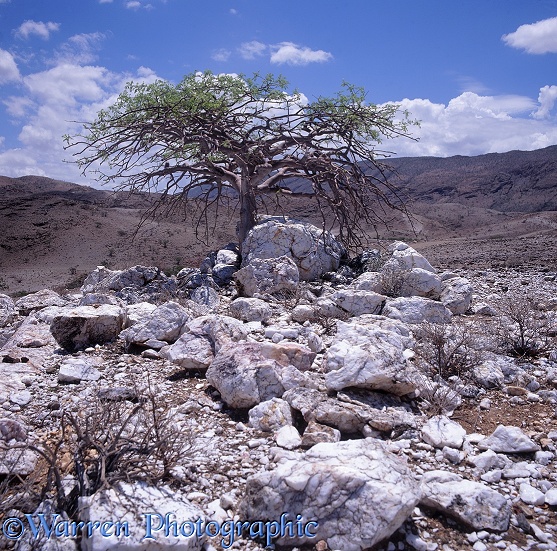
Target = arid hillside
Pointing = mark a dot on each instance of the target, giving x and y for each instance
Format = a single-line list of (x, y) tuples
[(491, 210)]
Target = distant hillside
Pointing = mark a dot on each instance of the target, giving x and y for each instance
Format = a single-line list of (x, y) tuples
[(516, 181)]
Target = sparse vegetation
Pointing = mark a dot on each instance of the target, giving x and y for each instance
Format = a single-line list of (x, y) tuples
[(101, 443), (445, 354), (524, 329)]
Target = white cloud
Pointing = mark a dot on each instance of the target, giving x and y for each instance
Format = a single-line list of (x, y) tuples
[(292, 54), (79, 49), (67, 84), (546, 99), (251, 50), (54, 100), (233, 11), (105, 1), (135, 5), (471, 124), (19, 162), (38, 28), (536, 38), (8, 68), (18, 106), (221, 55)]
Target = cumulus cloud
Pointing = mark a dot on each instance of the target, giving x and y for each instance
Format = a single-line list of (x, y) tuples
[(221, 55), (535, 38), (56, 102), (546, 99), (251, 50), (471, 124), (8, 68), (37, 28), (293, 54), (233, 11)]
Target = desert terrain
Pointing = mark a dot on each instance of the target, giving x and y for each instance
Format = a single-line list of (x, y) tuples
[(496, 210), (494, 241)]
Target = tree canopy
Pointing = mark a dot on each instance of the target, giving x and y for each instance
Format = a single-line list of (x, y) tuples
[(229, 138)]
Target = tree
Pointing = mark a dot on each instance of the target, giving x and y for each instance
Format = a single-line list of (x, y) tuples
[(221, 138)]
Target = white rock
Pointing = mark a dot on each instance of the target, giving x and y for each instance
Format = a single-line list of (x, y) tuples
[(456, 295), (313, 250), (288, 437), (247, 373), (250, 309), (21, 398), (137, 312), (472, 503), (358, 302), (75, 370), (489, 374), (356, 491), (31, 334), (224, 256), (421, 283), (83, 326), (407, 258), (165, 323), (368, 281), (270, 415), (416, 310), (506, 439), (551, 497), (18, 461), (440, 431), (368, 352), (303, 313), (39, 300), (144, 509), (530, 495), (488, 460), (93, 299), (190, 352), (492, 477), (271, 275)]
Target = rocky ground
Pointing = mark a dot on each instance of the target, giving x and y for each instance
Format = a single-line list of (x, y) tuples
[(307, 396)]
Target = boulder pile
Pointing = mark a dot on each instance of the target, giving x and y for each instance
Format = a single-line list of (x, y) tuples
[(302, 381)]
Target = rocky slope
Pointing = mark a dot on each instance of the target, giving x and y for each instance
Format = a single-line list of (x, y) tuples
[(245, 392)]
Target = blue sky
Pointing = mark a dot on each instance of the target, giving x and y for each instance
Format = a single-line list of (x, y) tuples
[(481, 75)]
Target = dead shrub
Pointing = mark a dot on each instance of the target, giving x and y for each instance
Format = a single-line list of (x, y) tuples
[(523, 328), (393, 278), (103, 443), (445, 355)]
